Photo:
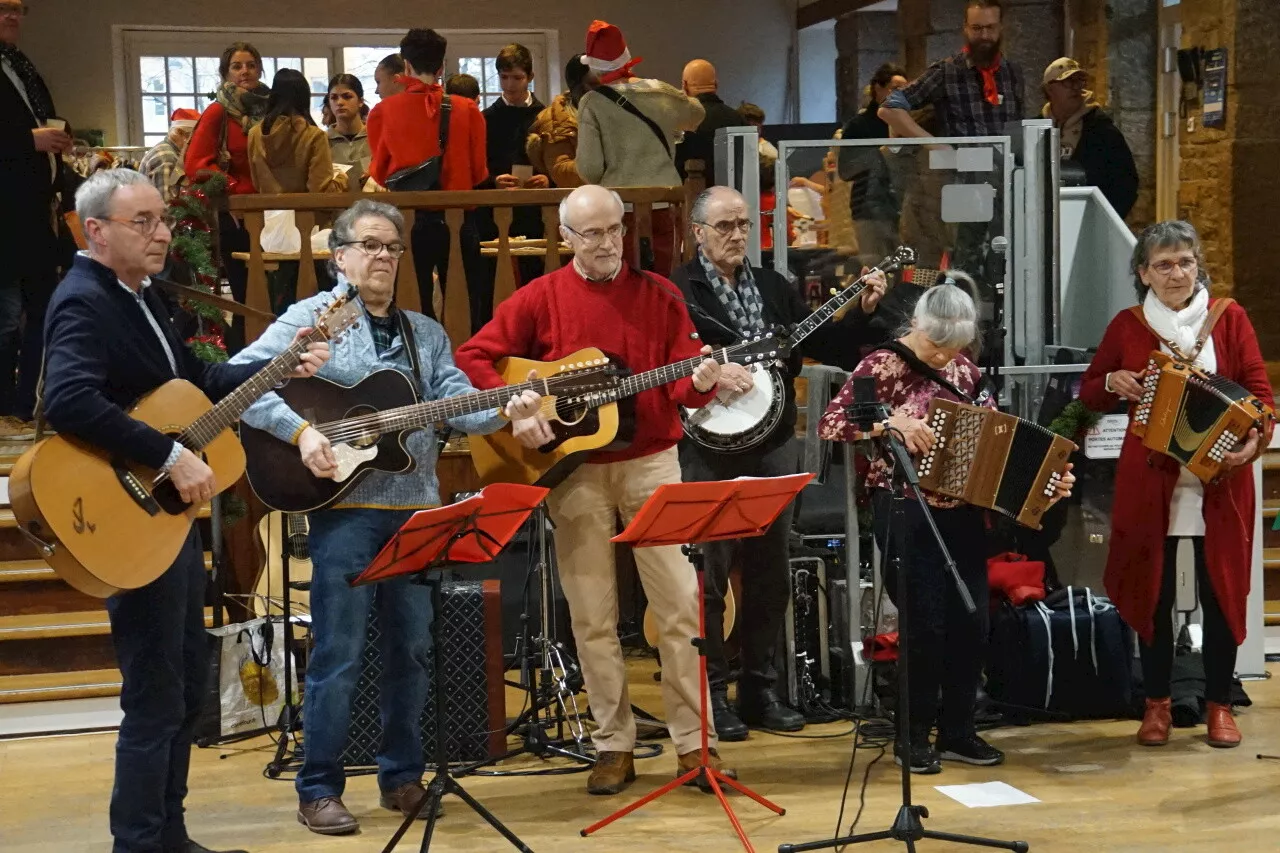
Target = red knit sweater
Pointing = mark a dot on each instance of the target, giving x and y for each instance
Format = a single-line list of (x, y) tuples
[(202, 150), (639, 324)]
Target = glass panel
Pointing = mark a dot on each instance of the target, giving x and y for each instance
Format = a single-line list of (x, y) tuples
[(152, 73), (293, 62), (155, 114), (317, 71), (181, 74), (362, 62), (268, 69), (472, 65), (207, 79), (178, 102)]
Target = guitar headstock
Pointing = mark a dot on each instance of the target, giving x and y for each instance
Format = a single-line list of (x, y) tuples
[(339, 316), (585, 377), (770, 346), (903, 256)]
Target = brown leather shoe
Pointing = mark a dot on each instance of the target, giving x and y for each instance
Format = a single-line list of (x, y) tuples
[(406, 798), (613, 772), (690, 760), (1222, 726), (1156, 721), (327, 816)]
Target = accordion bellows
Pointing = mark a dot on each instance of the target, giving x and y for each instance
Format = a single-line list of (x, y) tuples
[(1194, 416), (994, 460)]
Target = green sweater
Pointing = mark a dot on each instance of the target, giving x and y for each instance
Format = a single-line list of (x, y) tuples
[(617, 149)]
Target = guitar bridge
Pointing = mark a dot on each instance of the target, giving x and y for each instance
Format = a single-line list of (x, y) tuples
[(133, 486)]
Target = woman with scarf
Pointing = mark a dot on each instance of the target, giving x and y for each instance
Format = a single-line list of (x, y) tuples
[(1157, 502), (220, 145)]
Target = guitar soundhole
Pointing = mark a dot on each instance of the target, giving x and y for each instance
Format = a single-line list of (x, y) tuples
[(368, 439), (570, 414)]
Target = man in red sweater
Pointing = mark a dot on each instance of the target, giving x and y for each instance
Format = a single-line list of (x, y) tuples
[(404, 130), (643, 324)]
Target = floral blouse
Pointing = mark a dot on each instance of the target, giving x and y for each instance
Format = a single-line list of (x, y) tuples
[(907, 394)]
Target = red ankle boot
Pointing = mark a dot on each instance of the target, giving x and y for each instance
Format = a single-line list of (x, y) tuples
[(1154, 730), (1222, 726)]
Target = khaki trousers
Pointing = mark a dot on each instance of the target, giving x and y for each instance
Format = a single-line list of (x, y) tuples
[(584, 508)]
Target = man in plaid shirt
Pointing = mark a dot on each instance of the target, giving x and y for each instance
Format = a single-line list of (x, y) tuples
[(163, 163)]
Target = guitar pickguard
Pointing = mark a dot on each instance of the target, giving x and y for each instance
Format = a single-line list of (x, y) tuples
[(350, 458)]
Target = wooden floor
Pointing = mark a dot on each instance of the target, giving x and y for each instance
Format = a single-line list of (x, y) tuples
[(1099, 792)]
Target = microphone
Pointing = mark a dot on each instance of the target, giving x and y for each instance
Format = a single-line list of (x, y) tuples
[(999, 252), (693, 309)]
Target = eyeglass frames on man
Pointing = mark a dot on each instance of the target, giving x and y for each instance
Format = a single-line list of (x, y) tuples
[(595, 236), (148, 225), (724, 229), (374, 247)]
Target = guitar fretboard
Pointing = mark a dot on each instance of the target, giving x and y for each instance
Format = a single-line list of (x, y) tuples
[(420, 415)]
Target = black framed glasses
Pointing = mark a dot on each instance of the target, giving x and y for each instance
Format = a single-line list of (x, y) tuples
[(148, 225), (724, 229), (595, 236), (374, 247)]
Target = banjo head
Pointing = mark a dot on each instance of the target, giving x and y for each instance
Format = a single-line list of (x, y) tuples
[(726, 426)]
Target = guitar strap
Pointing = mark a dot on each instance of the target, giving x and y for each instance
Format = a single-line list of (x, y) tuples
[(913, 361), (411, 348)]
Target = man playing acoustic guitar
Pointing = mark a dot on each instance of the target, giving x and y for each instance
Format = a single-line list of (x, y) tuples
[(597, 299), (110, 342), (367, 241)]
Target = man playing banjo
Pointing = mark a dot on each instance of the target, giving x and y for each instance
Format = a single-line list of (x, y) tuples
[(729, 300)]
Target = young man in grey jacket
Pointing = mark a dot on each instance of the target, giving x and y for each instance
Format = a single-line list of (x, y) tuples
[(367, 242)]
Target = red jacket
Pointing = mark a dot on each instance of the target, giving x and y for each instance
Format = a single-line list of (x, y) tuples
[(206, 140), (1145, 479), (404, 130), (633, 321)]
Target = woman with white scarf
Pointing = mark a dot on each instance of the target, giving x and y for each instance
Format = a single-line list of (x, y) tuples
[(1157, 502)]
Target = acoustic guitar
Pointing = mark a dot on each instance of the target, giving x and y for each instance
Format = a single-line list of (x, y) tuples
[(368, 423), (600, 420), (104, 524), (279, 532)]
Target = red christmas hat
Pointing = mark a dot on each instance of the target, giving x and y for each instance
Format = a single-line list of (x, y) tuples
[(606, 53), (183, 118)]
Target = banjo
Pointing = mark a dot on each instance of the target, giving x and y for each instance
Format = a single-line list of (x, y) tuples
[(743, 421)]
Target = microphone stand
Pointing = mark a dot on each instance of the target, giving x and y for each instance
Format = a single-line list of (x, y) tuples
[(907, 827)]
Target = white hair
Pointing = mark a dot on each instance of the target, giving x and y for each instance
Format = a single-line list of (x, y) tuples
[(945, 314), (564, 205), (93, 198)]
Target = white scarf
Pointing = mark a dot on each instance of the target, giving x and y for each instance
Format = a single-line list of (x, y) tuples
[(1182, 327)]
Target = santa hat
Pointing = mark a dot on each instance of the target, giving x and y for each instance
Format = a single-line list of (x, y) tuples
[(183, 118), (606, 53)]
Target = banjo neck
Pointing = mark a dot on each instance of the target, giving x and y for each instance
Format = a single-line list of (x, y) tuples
[(828, 310)]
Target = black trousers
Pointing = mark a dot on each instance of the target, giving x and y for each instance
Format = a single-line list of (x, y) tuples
[(234, 237), (945, 643), (1219, 649), (766, 573), (162, 649), (431, 247), (24, 296)]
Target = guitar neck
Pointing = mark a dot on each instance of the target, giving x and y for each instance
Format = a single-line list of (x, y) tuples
[(419, 415), (632, 385), (826, 312), (228, 410)]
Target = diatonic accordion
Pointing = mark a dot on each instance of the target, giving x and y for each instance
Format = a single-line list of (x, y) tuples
[(994, 460), (1194, 416)]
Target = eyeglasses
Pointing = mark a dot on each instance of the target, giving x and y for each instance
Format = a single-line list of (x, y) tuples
[(726, 228), (13, 10), (596, 236), (374, 247), (1166, 268), (148, 225)]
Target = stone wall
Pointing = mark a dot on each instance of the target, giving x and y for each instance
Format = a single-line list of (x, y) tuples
[(864, 42)]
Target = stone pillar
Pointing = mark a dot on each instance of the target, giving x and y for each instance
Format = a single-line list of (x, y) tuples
[(1131, 64), (1033, 38), (1229, 177), (864, 42)]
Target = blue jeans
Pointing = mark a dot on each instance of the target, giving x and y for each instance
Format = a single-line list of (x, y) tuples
[(162, 649), (344, 542)]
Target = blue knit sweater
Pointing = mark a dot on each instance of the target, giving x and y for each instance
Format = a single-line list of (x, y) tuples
[(354, 358)]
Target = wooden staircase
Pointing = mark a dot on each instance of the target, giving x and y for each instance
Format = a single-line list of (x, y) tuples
[(55, 642), (1271, 538)]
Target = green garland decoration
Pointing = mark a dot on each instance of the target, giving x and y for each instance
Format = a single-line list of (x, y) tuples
[(191, 250), (1074, 420)]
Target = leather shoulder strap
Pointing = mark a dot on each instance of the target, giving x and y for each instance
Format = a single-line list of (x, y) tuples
[(621, 100), (1206, 329)]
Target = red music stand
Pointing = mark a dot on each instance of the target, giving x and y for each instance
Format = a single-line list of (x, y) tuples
[(471, 531), (687, 514)]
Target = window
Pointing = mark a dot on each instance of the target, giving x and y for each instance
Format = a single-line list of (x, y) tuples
[(164, 69)]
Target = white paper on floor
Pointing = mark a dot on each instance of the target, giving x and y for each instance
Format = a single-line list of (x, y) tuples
[(986, 795)]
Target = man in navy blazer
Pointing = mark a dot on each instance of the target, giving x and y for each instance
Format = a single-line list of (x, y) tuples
[(109, 341)]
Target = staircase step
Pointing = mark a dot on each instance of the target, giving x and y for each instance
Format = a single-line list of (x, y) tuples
[(1271, 558), (80, 623), (50, 686)]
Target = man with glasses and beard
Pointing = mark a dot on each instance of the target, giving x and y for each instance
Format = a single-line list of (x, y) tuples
[(730, 300), (976, 92), (640, 321)]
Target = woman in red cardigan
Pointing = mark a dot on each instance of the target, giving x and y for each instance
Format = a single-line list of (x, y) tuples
[(1158, 502), (220, 144)]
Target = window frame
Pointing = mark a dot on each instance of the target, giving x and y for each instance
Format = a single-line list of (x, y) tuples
[(131, 42)]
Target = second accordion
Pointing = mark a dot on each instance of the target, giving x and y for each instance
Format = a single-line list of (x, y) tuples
[(994, 460), (1194, 416)]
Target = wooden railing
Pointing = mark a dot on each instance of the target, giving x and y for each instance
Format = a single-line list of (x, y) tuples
[(319, 209)]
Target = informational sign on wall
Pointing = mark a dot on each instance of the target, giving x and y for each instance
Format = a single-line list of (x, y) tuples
[(1215, 87), (1106, 437)]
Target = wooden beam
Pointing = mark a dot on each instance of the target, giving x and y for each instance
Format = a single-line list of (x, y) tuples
[(825, 10)]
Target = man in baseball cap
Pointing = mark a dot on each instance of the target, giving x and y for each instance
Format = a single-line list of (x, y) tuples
[(163, 163)]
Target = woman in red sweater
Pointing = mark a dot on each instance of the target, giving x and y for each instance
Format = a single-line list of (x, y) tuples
[(220, 144), (1157, 502)]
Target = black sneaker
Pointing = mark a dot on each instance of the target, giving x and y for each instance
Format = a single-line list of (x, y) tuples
[(924, 759), (971, 750)]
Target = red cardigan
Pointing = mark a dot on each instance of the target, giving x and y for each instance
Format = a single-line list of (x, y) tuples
[(206, 140), (1145, 480), (635, 322), (404, 130)]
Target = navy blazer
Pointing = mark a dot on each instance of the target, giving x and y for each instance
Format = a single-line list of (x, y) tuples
[(102, 355)]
